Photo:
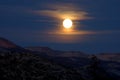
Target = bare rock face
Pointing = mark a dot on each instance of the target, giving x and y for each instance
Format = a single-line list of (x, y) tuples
[(6, 43)]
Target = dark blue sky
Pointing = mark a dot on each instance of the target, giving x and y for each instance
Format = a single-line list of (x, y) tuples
[(38, 23)]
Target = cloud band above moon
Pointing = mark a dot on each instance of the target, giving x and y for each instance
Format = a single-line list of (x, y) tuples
[(63, 11)]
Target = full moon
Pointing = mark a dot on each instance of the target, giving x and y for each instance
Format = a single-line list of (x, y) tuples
[(67, 23)]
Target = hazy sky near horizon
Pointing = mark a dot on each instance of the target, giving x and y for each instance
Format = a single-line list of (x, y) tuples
[(39, 23)]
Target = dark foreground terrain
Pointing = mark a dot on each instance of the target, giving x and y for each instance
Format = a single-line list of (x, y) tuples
[(26, 66), (30, 66), (42, 63)]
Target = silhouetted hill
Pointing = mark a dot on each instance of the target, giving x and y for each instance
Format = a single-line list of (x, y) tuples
[(6, 43), (43, 63), (6, 46), (77, 59), (27, 66), (30, 66), (71, 58), (40, 49)]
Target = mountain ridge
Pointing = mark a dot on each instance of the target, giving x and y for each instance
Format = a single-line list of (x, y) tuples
[(70, 59), (4, 43)]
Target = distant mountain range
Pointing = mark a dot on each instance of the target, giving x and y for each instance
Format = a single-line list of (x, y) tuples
[(55, 64), (77, 59), (110, 56), (71, 58)]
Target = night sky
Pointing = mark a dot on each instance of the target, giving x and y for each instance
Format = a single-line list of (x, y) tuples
[(96, 24)]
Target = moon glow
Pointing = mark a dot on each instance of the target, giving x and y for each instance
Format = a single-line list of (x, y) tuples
[(67, 23)]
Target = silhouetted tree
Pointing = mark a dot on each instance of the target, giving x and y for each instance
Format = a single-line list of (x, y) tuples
[(94, 62), (96, 70)]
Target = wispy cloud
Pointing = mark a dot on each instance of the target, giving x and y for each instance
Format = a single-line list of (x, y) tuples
[(72, 37), (62, 11)]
